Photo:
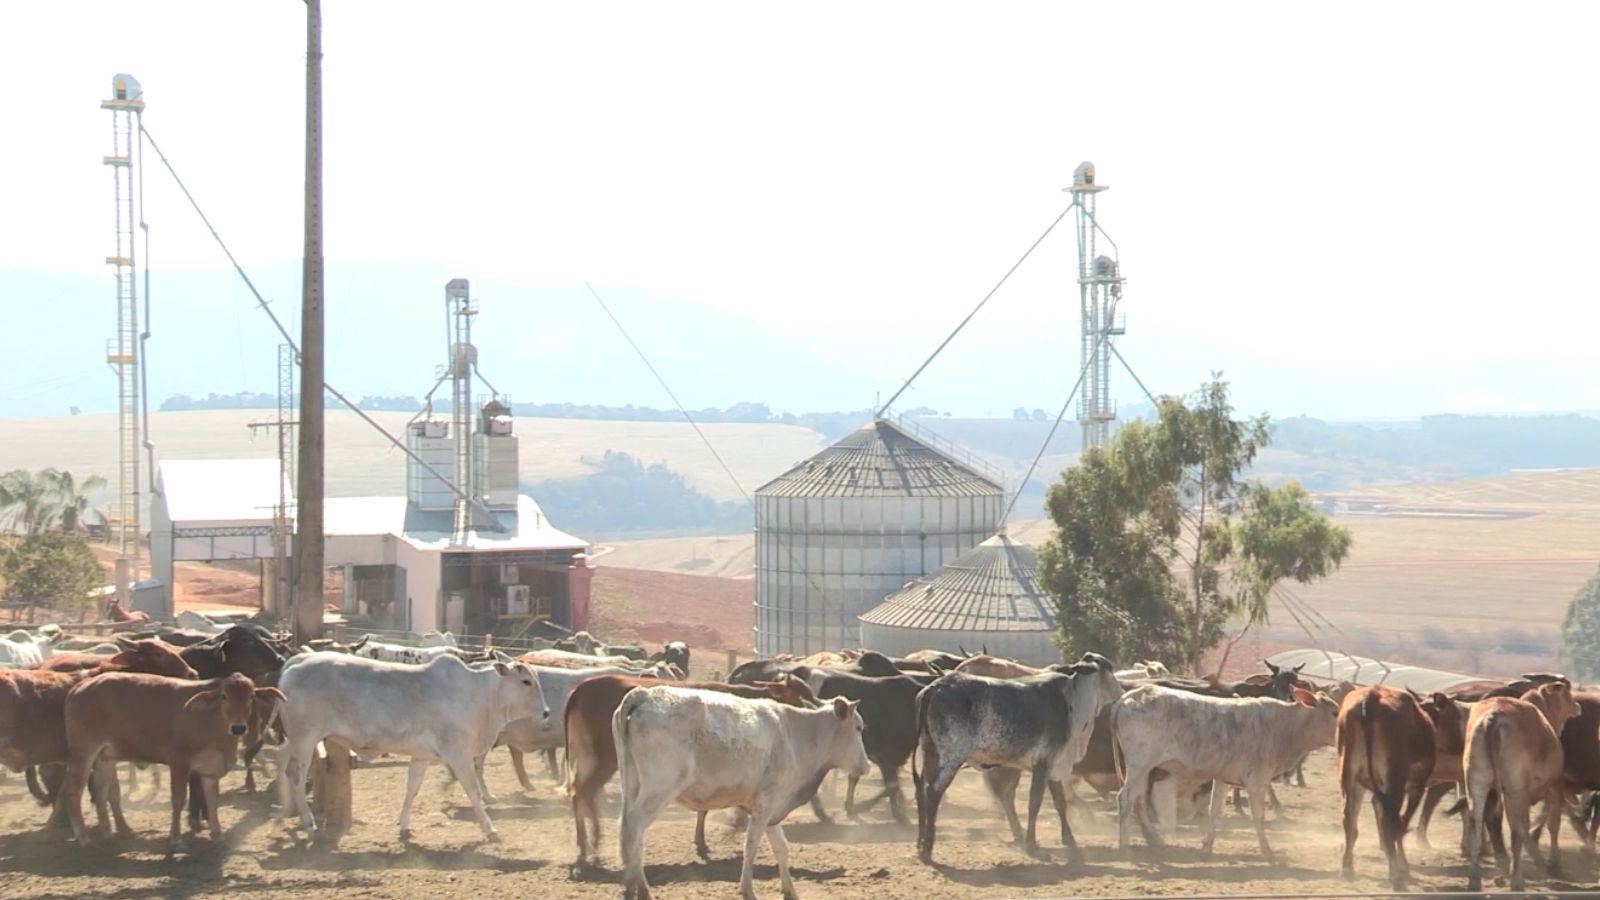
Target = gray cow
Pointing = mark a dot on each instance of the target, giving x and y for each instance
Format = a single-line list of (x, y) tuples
[(1040, 724)]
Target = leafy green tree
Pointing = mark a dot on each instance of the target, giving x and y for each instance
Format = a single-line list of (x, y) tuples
[(52, 570), (1160, 543), (1580, 633)]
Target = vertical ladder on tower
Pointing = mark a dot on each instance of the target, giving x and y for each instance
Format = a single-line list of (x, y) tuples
[(122, 350)]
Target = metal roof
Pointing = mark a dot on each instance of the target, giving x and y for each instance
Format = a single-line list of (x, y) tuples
[(992, 587), (1360, 670), (241, 492), (236, 491), (883, 459)]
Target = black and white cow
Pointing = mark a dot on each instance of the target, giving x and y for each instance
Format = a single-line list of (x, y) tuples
[(1040, 723)]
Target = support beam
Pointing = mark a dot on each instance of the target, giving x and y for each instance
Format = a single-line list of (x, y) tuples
[(308, 546)]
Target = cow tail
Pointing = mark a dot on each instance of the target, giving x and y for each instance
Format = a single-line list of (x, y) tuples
[(619, 733), (37, 789), (1369, 717), (920, 705), (1118, 764)]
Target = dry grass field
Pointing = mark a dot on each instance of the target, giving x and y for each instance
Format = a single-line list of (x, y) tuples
[(362, 463)]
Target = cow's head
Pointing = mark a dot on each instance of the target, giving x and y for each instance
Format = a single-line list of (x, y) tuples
[(1449, 723), (152, 657), (790, 691), (518, 689), (236, 700), (1554, 699), (846, 751), (1101, 673)]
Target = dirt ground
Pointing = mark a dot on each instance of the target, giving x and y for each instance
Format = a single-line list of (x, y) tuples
[(874, 858)]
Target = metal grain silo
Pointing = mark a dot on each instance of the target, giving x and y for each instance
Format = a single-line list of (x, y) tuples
[(852, 524), (987, 598)]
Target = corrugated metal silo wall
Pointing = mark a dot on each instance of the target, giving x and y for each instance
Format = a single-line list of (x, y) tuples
[(1032, 647), (823, 561)]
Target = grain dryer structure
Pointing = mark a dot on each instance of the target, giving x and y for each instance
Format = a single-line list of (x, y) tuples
[(840, 531)]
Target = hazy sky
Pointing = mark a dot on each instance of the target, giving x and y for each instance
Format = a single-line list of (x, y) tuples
[(1359, 208)]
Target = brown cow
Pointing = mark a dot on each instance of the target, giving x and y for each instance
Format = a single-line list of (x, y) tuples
[(592, 749), (190, 727), (33, 728), (1386, 745), (1513, 749)]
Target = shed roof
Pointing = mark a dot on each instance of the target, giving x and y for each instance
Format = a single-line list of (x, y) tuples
[(882, 459), (242, 491), (1364, 671), (992, 587)]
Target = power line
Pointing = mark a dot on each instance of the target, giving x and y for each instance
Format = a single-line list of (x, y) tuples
[(676, 402), (904, 387), (487, 516)]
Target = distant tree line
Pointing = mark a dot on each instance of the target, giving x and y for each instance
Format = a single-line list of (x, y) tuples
[(1465, 445), (626, 495)]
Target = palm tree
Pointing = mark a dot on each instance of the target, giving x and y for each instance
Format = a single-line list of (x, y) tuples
[(69, 500), (27, 496)]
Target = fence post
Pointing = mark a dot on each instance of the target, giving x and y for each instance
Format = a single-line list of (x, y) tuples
[(330, 785)]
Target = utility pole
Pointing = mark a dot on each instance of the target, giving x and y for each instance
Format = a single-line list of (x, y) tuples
[(308, 604)]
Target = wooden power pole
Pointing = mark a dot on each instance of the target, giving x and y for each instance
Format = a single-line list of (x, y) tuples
[(308, 603)]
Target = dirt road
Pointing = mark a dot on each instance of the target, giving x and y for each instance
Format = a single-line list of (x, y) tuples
[(874, 859)]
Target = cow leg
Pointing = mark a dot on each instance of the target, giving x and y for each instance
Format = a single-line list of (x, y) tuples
[(780, 852), (850, 799), (817, 810), (1214, 812), (1493, 817), (1036, 785), (111, 797), (516, 766), (297, 754), (477, 773), (179, 778), (1430, 802), (550, 763), (1300, 773), (936, 782), (197, 804), (414, 776), (1516, 815), (1238, 801), (1472, 834), (1003, 784), (752, 845), (638, 811), (1059, 795), (701, 848), (895, 793), (211, 788), (461, 764), (1552, 824), (1352, 826), (1128, 800), (1258, 814)]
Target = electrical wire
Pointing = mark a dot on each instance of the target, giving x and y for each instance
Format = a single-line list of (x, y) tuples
[(487, 517), (946, 342), (676, 402)]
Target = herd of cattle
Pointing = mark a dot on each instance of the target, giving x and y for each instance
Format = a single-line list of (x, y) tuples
[(762, 740)]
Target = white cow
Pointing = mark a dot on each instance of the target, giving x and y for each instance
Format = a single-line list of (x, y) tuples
[(24, 650), (368, 648), (708, 750), (438, 639), (1225, 740), (199, 622), (442, 711), (528, 735), (1143, 671)]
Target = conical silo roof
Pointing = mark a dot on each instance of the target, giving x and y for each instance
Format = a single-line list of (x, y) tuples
[(883, 459), (994, 587)]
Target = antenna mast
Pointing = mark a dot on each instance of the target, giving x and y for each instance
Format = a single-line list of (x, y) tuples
[(122, 352), (1099, 289), (463, 360)]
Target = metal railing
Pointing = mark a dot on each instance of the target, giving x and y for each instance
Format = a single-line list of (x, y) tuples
[(947, 447)]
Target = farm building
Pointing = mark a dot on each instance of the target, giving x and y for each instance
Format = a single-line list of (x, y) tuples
[(988, 597), (842, 530), (407, 565)]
